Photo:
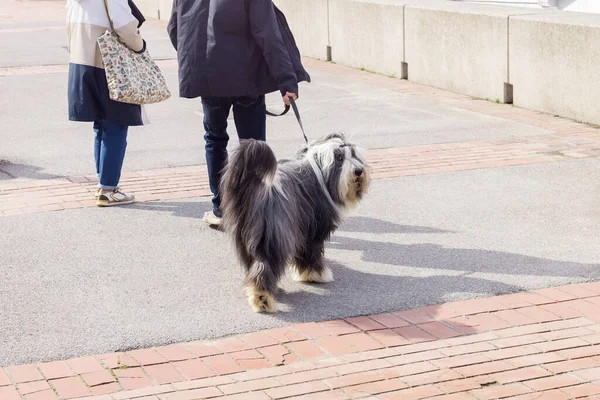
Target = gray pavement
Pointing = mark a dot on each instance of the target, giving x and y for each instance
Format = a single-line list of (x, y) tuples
[(96, 280)]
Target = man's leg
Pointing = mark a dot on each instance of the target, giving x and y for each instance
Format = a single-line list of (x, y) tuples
[(250, 117), (216, 111)]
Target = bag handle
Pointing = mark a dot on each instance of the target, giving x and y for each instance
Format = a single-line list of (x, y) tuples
[(112, 27)]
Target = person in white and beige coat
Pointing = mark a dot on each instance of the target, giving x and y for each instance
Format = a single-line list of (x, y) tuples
[(88, 95)]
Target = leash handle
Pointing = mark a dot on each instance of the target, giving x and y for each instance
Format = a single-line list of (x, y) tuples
[(296, 112)]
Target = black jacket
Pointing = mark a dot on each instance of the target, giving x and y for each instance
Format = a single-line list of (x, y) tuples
[(232, 48)]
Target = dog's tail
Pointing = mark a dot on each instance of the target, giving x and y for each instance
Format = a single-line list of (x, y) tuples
[(252, 163), (247, 179)]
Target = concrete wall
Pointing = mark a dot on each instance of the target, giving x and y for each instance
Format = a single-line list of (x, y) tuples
[(373, 43), (548, 58), (554, 64), (309, 23)]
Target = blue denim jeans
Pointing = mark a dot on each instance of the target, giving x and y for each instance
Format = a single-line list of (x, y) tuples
[(109, 151), (250, 118)]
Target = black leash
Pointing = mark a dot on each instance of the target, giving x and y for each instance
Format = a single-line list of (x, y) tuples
[(296, 112)]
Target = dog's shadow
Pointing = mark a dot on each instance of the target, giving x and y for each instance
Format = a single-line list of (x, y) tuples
[(406, 276)]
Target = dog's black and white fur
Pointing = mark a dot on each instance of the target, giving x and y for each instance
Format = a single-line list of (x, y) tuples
[(281, 214)]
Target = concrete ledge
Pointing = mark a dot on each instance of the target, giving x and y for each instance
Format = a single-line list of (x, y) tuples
[(554, 64), (367, 35), (459, 47)]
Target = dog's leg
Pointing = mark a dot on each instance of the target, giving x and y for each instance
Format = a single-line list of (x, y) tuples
[(309, 266), (261, 285)]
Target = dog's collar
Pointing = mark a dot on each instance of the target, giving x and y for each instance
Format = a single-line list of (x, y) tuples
[(319, 176)]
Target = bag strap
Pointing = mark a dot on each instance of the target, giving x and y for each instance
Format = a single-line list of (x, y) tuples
[(296, 112), (112, 27)]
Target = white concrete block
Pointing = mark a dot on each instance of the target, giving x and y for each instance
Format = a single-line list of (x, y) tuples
[(308, 22), (554, 63), (459, 47), (367, 35)]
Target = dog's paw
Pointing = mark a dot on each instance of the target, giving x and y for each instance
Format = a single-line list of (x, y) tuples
[(261, 301), (310, 276)]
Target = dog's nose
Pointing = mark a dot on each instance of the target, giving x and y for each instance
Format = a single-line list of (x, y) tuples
[(358, 171)]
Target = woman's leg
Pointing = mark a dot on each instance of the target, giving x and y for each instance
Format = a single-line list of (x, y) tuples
[(112, 154)]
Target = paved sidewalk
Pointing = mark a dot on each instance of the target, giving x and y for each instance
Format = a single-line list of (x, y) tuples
[(543, 344)]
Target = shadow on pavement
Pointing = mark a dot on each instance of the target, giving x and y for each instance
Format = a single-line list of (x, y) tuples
[(9, 170)]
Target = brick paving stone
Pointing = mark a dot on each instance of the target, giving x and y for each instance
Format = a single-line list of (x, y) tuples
[(24, 373), (132, 378), (70, 388), (485, 368), (339, 327), (374, 388), (42, 395), (354, 379), (98, 378), (414, 334), (55, 370), (389, 338), (553, 382), (222, 364), (84, 365), (361, 342), (106, 389), (365, 324), (147, 357), (330, 395), (586, 389), (439, 330), (9, 393), (258, 339), (249, 386), (32, 387), (422, 392), (500, 392), (312, 330), (285, 335), (389, 320), (205, 393), (174, 353), (433, 377), (203, 349), (414, 316), (305, 350), (522, 374), (334, 345), (296, 390), (193, 369), (535, 359), (572, 365), (4, 379)]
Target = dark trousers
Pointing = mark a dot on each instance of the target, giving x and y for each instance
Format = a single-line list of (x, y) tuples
[(250, 118)]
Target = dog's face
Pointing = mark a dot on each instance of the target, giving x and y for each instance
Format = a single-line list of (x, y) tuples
[(344, 168)]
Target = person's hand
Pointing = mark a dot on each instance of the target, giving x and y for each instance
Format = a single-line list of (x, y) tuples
[(288, 95)]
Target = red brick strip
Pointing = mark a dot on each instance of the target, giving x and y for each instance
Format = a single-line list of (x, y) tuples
[(32, 196), (521, 346)]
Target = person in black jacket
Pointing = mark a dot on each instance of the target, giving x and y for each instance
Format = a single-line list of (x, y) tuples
[(231, 53)]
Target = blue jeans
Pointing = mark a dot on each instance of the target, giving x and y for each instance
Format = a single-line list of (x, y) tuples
[(109, 151), (250, 118)]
